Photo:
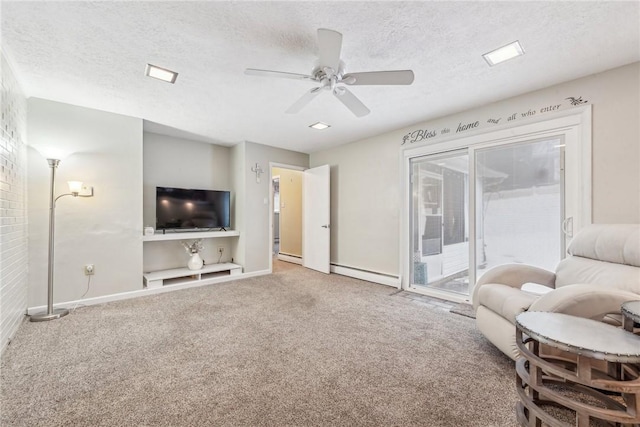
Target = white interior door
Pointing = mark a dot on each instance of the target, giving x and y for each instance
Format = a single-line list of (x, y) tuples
[(315, 219)]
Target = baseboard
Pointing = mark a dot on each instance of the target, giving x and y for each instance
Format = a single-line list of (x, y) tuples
[(146, 292), (356, 273), (290, 258), (369, 276)]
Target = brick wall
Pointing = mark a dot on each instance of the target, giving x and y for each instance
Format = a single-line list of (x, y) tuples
[(13, 206)]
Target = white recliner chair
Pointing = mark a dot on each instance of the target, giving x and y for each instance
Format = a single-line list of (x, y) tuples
[(601, 272)]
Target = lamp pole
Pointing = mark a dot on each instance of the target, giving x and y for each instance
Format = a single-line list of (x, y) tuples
[(51, 314)]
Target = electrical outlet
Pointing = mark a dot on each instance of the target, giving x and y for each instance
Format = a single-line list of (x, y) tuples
[(89, 270), (220, 249)]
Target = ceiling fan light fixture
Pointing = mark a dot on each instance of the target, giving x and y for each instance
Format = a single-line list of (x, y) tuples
[(161, 73), (504, 53), (319, 126)]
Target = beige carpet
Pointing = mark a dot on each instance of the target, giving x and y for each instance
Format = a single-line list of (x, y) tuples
[(295, 348)]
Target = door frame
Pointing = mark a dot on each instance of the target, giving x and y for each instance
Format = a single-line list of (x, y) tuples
[(574, 124), (271, 166)]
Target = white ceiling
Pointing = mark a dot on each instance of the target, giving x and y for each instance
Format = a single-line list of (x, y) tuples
[(94, 54)]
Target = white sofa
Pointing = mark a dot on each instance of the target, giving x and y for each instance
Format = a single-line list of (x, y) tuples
[(601, 271)]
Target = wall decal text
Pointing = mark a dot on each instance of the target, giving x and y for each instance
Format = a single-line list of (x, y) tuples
[(423, 134)]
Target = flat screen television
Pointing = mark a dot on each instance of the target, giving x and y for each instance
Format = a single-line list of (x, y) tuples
[(188, 209)]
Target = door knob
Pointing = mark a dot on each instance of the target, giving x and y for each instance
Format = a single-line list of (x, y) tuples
[(326, 226), (567, 226)]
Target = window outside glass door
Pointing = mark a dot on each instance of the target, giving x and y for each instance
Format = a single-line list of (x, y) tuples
[(519, 206), (518, 202)]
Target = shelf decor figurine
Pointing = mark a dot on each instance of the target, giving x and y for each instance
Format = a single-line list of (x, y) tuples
[(193, 249)]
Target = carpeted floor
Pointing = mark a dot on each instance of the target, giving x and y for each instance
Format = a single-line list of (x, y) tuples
[(293, 348)]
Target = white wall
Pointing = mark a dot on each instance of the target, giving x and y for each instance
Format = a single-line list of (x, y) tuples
[(13, 205), (255, 215), (104, 230), (182, 163), (365, 175)]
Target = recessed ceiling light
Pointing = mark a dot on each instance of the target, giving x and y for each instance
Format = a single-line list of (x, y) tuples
[(161, 73), (504, 53), (319, 126)]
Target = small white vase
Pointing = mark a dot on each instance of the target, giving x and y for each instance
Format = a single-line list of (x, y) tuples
[(195, 262)]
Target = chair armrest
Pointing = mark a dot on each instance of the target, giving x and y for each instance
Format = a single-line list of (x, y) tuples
[(514, 275), (583, 300)]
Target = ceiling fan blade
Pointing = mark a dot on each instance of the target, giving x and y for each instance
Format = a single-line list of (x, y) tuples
[(329, 47), (399, 77), (280, 74), (351, 101), (302, 102)]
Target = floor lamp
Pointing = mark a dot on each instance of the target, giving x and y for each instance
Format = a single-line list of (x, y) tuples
[(74, 190)]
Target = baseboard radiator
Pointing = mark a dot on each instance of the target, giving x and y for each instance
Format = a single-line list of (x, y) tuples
[(369, 276)]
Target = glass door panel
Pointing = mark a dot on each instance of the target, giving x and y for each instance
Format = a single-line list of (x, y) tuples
[(440, 222), (519, 204)]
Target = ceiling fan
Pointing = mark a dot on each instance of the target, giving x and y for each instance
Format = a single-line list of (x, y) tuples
[(330, 73)]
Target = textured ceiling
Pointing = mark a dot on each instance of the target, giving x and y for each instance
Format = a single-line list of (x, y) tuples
[(94, 54)]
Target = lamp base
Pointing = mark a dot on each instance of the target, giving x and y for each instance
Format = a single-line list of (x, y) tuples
[(57, 313)]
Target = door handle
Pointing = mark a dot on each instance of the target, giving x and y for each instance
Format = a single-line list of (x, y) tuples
[(565, 226), (326, 226)]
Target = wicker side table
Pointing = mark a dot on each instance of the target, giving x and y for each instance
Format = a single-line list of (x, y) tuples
[(598, 381), (630, 315)]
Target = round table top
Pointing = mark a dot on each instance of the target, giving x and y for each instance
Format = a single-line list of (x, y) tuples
[(581, 336), (631, 309)]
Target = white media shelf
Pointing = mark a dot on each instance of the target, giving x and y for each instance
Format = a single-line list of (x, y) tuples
[(156, 279), (182, 276), (191, 235)]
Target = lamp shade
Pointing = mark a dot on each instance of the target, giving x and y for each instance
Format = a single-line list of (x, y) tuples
[(52, 151), (75, 186)]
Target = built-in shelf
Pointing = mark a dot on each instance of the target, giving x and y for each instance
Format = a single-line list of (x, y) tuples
[(190, 235), (156, 279)]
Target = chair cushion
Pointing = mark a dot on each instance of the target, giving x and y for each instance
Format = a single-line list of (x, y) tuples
[(578, 270), (505, 300), (616, 243)]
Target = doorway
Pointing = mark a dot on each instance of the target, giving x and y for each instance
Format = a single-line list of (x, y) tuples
[(287, 214), (301, 220)]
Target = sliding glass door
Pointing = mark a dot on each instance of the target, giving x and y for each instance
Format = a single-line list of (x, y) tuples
[(440, 226), (519, 204), (482, 206)]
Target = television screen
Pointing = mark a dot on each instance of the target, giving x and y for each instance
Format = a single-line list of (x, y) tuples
[(179, 208)]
